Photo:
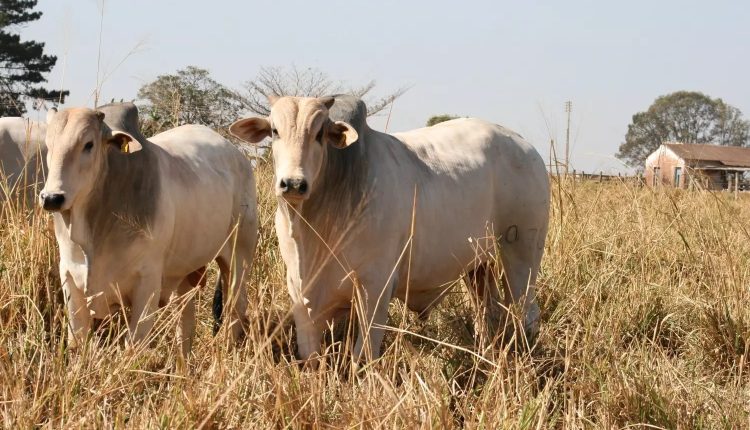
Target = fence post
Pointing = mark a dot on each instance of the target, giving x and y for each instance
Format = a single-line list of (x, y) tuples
[(600, 176), (736, 185)]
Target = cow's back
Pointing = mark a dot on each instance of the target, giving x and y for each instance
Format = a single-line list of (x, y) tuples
[(465, 143), (456, 153), (198, 150), (190, 141)]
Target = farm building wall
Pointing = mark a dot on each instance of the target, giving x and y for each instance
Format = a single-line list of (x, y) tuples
[(660, 169)]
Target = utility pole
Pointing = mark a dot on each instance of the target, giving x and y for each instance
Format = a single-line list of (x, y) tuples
[(568, 110)]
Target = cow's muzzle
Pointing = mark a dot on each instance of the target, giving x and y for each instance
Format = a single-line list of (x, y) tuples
[(52, 202), (293, 187)]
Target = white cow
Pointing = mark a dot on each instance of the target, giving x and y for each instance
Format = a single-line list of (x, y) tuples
[(347, 195), (134, 218), (22, 150)]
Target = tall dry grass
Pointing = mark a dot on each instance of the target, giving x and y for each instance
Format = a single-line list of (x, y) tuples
[(645, 321)]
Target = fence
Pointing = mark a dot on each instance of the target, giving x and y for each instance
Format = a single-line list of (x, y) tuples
[(600, 177)]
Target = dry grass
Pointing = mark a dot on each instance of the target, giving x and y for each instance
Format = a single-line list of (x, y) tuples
[(644, 299)]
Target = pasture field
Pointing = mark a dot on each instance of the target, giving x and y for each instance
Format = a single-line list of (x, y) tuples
[(645, 299)]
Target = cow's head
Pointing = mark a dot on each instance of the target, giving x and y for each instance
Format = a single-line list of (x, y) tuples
[(77, 144), (301, 132)]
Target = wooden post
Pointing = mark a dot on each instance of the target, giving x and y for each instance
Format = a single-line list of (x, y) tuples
[(736, 185), (600, 176)]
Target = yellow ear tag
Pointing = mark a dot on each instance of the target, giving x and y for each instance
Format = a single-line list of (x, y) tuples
[(124, 147)]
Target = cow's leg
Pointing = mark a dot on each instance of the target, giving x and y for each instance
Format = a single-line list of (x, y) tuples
[(73, 275), (484, 286), (521, 260), (308, 333), (234, 292), (372, 318), (144, 304), (80, 322), (186, 328), (235, 261)]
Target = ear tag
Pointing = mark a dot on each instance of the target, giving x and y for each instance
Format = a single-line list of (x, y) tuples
[(124, 147)]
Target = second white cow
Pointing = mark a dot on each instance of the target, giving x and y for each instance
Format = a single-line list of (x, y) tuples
[(350, 198)]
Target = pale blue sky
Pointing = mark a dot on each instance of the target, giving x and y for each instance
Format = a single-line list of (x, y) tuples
[(514, 63)]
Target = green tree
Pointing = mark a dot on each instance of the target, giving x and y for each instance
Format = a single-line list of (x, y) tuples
[(189, 96), (437, 119), (22, 63), (686, 117)]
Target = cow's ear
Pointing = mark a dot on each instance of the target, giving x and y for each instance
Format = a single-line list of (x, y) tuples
[(124, 142), (252, 130), (340, 134)]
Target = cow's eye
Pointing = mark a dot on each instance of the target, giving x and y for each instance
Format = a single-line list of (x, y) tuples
[(87, 147), (274, 133)]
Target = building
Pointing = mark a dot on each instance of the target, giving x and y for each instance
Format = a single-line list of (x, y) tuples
[(684, 165)]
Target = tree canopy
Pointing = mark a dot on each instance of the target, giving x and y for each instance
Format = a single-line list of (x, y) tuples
[(686, 117), (22, 63), (190, 96), (437, 119)]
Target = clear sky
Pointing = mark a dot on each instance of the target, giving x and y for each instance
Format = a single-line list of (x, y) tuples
[(514, 63)]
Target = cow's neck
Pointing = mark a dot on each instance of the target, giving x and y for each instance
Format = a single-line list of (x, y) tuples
[(74, 223), (340, 193), (288, 232), (122, 204), (306, 252)]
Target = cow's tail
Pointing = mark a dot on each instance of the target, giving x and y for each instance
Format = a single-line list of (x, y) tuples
[(218, 305)]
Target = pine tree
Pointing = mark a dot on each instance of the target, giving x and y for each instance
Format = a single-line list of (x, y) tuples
[(22, 63)]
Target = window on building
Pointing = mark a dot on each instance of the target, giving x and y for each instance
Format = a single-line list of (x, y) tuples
[(677, 176)]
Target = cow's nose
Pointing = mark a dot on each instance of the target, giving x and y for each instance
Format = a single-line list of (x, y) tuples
[(52, 201), (293, 185), (301, 186)]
